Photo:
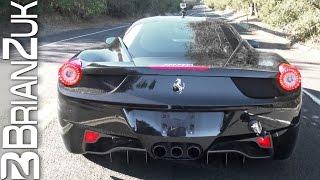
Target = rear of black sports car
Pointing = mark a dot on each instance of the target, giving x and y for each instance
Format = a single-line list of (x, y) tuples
[(179, 88)]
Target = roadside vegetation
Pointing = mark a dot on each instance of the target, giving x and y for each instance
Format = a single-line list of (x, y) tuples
[(61, 15), (114, 8), (90, 8), (301, 18)]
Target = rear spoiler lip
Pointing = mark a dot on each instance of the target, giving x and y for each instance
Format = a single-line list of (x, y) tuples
[(200, 72), (256, 103)]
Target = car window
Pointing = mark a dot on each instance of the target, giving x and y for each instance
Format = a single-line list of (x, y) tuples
[(203, 42), (158, 39)]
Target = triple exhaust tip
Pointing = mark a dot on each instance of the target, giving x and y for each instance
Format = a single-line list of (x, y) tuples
[(192, 152), (159, 151), (176, 151)]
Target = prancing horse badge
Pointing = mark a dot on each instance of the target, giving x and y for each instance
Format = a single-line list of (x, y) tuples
[(178, 86)]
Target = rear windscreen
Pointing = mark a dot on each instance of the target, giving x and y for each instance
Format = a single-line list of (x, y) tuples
[(201, 42), (159, 39)]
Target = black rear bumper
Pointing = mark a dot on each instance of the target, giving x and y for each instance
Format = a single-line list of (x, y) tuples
[(120, 132)]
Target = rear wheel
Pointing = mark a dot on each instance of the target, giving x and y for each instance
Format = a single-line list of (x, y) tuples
[(284, 142)]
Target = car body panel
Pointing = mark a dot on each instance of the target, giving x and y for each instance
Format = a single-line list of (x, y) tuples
[(135, 105)]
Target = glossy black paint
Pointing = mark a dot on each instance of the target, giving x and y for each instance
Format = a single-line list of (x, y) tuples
[(134, 106)]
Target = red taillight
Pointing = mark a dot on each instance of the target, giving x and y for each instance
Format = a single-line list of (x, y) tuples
[(91, 137), (289, 77), (264, 142), (70, 73)]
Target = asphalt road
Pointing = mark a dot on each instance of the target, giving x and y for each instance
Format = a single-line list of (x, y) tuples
[(57, 163)]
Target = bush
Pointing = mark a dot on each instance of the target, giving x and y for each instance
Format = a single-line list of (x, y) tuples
[(224, 4), (218, 4), (285, 13), (300, 17), (117, 8), (6, 9), (80, 8), (139, 7), (266, 8), (307, 26)]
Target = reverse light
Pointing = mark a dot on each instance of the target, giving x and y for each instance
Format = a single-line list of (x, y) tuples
[(264, 142), (91, 137), (289, 77), (70, 73)]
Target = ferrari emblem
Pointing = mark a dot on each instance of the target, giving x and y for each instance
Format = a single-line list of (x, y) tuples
[(178, 86)]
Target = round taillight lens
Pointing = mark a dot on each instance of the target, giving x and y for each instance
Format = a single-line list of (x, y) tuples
[(70, 73), (289, 77)]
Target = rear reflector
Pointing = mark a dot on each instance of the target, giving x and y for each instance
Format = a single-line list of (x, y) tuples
[(70, 73), (264, 142), (183, 67), (289, 77), (91, 137)]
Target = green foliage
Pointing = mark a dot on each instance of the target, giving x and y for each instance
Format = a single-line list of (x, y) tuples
[(307, 26), (80, 8), (4, 7), (138, 7), (300, 17), (266, 7), (90, 8), (286, 12), (118, 8), (216, 4), (223, 4)]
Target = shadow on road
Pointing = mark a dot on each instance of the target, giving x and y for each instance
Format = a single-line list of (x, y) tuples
[(257, 27), (242, 29), (268, 45), (160, 169)]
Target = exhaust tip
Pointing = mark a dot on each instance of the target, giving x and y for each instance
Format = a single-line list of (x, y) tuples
[(193, 152), (159, 151), (176, 151)]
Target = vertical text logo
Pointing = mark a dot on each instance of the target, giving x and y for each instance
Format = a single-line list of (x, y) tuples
[(22, 133)]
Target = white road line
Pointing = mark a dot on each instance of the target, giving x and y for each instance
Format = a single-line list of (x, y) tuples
[(84, 35), (314, 98)]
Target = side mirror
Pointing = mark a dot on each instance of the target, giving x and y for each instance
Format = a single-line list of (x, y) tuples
[(254, 43), (111, 41)]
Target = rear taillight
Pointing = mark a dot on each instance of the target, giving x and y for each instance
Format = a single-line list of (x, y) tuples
[(70, 73), (289, 77), (91, 136), (264, 142)]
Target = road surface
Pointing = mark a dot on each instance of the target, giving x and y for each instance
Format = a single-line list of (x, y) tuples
[(57, 163)]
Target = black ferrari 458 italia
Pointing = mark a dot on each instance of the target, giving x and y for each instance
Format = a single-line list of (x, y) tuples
[(179, 88)]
